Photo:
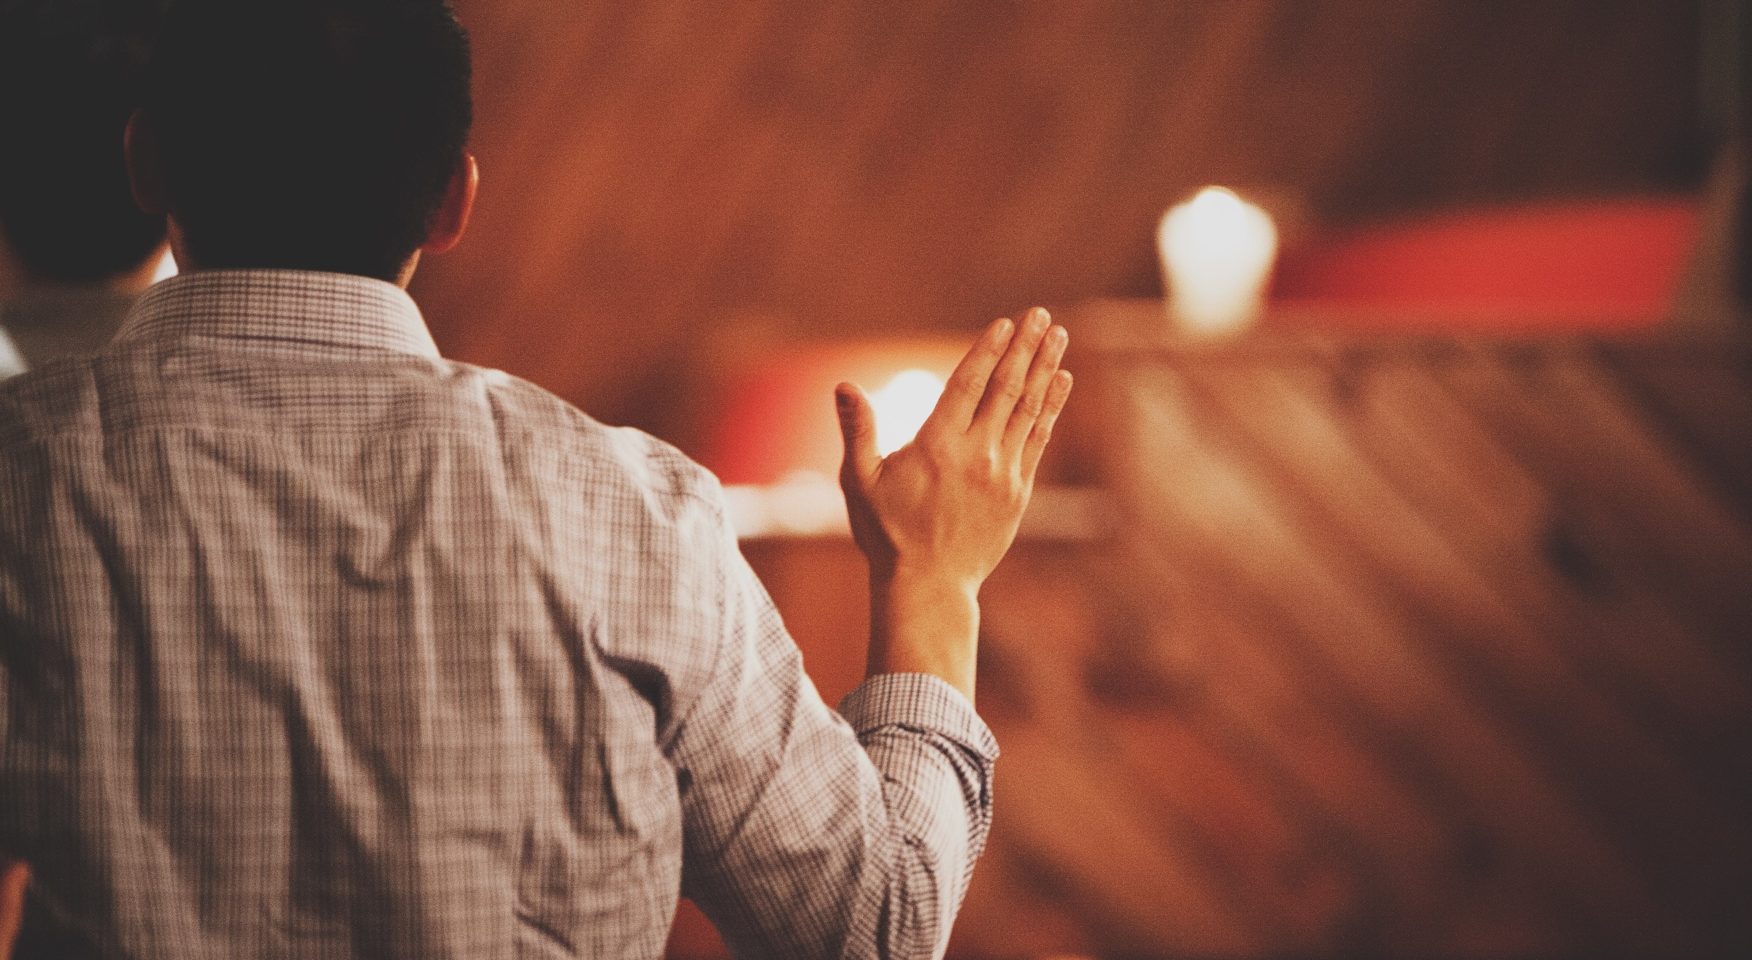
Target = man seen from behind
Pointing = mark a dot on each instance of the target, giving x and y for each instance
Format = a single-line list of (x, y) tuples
[(316, 644)]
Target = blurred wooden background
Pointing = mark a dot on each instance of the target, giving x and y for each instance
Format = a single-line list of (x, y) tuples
[(661, 174), (1406, 644), (1402, 645)]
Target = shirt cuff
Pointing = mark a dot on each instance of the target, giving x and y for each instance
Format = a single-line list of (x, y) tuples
[(921, 702)]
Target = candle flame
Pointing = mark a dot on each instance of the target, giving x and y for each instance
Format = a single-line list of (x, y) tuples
[(902, 407)]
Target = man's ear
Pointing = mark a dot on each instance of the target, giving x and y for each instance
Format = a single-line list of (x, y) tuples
[(451, 220), (145, 175)]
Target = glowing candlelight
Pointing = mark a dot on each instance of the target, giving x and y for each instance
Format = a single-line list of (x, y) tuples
[(902, 406), (1217, 252)]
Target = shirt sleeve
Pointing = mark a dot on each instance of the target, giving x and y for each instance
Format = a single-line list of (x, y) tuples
[(815, 834)]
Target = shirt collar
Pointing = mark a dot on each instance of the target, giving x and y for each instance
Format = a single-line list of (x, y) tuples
[(284, 306)]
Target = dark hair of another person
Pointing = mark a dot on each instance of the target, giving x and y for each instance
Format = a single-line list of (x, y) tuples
[(70, 75), (308, 134)]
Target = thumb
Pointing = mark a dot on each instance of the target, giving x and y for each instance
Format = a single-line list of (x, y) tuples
[(858, 427)]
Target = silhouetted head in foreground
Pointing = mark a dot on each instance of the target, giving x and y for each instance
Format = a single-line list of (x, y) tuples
[(307, 134), (70, 75)]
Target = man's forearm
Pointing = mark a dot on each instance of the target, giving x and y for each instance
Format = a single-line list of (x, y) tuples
[(922, 622)]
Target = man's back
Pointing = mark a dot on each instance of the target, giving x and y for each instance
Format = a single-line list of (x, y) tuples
[(313, 623), (319, 645)]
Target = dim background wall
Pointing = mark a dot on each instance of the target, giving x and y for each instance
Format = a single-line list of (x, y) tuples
[(662, 174)]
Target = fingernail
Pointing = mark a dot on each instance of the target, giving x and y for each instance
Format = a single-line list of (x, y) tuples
[(1005, 328)]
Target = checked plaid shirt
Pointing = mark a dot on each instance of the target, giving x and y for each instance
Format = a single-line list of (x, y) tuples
[(314, 644)]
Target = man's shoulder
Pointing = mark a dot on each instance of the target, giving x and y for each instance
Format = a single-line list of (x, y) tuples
[(536, 421), (34, 397)]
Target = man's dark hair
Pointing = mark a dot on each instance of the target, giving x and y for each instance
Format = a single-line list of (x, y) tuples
[(70, 75), (308, 134)]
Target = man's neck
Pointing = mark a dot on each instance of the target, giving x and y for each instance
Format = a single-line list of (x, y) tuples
[(47, 321)]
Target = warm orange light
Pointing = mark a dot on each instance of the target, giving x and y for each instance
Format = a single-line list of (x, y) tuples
[(775, 412)]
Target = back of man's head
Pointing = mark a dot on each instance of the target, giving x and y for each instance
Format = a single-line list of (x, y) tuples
[(70, 73), (307, 134)]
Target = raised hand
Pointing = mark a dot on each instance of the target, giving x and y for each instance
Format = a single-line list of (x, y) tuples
[(935, 517)]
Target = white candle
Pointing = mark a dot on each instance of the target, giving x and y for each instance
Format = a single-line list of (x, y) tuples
[(1217, 252)]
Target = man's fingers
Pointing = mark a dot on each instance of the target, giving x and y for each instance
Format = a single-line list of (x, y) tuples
[(1057, 392), (1033, 400), (858, 429), (961, 395), (1010, 377)]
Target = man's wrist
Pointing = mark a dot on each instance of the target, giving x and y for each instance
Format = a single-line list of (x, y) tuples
[(924, 622)]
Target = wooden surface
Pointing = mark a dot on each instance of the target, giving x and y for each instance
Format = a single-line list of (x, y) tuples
[(1406, 646), (663, 176)]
